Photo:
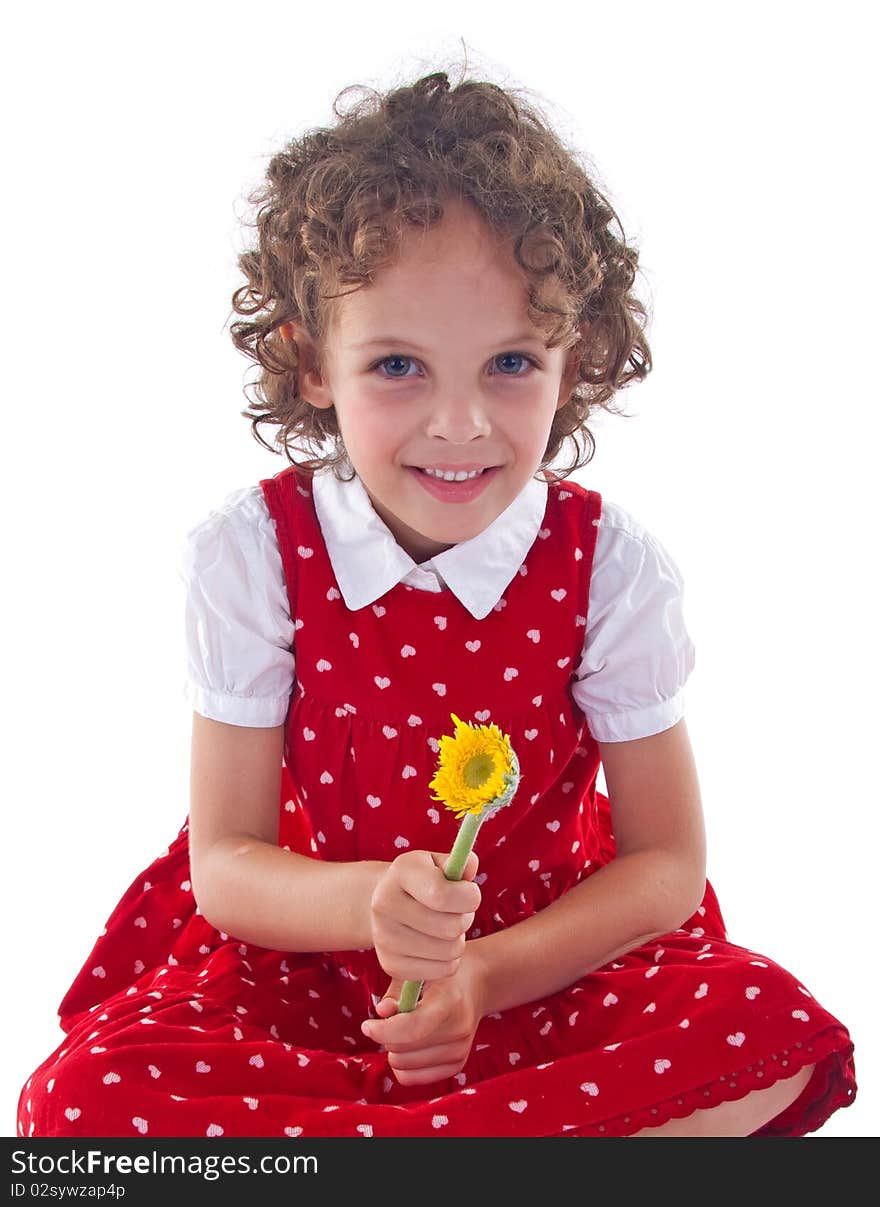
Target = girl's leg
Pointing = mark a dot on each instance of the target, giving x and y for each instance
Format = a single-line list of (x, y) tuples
[(740, 1118)]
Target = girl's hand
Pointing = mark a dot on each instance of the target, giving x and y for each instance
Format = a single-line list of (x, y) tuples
[(433, 1041), (418, 918)]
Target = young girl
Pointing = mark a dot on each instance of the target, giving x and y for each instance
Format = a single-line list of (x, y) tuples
[(438, 291)]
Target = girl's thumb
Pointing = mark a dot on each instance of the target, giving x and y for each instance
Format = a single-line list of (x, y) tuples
[(441, 858)]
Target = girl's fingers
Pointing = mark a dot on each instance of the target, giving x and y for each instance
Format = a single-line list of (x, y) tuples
[(409, 1034), (426, 1076), (438, 924), (421, 946), (421, 970), (436, 893), (426, 1058)]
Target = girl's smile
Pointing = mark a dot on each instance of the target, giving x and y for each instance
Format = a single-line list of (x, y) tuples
[(456, 491)]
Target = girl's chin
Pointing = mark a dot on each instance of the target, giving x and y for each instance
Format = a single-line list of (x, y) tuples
[(423, 536), (430, 526)]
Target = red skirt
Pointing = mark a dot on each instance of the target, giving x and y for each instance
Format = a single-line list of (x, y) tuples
[(217, 1037)]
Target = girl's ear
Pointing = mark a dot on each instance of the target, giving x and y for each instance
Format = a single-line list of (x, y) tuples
[(570, 374), (313, 385), (569, 377)]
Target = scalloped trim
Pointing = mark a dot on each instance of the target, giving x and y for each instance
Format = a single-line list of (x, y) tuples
[(831, 1087)]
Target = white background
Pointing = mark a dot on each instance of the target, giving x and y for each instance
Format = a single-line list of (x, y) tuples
[(735, 142)]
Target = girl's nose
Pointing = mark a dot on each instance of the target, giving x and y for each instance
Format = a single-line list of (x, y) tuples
[(458, 420)]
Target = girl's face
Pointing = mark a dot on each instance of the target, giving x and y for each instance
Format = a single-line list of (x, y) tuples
[(436, 364)]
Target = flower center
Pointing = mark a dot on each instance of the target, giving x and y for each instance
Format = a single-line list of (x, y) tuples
[(478, 770)]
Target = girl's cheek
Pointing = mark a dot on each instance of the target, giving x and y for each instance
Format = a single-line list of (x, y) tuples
[(376, 404), (380, 421)]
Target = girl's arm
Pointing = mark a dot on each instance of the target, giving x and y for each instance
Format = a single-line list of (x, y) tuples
[(247, 886), (243, 882), (655, 882)]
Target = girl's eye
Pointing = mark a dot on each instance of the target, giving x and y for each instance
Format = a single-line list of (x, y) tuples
[(391, 365), (515, 356), (394, 361)]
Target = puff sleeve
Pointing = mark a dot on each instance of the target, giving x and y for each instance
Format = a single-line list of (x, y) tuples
[(637, 652), (238, 631)]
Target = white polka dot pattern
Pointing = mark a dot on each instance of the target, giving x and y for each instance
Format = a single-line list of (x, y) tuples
[(246, 1041)]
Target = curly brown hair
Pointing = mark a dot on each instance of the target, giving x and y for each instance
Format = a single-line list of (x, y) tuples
[(335, 202)]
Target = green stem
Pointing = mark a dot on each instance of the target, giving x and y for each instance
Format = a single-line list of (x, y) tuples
[(463, 845), (455, 864), (409, 996)]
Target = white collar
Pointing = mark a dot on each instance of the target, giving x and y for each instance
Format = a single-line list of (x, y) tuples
[(368, 561)]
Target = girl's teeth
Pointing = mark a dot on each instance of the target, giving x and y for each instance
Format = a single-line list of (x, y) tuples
[(449, 476)]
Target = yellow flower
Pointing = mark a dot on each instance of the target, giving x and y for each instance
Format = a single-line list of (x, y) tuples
[(476, 768), (478, 774)]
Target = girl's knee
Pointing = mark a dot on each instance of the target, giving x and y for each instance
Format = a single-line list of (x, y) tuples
[(742, 1117), (55, 1102)]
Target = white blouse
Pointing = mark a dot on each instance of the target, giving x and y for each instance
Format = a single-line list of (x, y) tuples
[(239, 634)]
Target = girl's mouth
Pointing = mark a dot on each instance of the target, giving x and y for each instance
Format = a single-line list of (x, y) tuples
[(454, 492)]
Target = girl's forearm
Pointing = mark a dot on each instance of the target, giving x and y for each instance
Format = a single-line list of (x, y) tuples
[(285, 901), (633, 899)]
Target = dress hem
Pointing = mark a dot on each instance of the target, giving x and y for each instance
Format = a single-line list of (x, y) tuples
[(831, 1087)]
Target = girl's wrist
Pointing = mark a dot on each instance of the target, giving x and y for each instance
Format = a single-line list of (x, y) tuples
[(372, 871), (501, 975), (479, 969)]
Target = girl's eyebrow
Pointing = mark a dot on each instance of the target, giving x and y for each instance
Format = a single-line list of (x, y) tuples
[(526, 338)]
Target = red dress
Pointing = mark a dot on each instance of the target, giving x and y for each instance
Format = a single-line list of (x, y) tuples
[(176, 1029)]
